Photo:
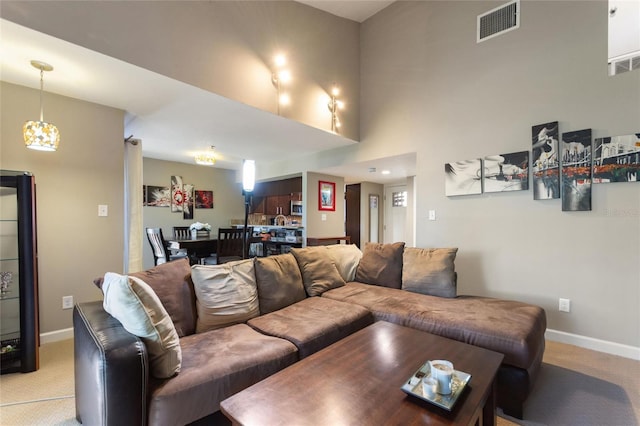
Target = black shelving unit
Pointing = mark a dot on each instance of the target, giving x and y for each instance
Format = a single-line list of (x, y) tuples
[(19, 333)]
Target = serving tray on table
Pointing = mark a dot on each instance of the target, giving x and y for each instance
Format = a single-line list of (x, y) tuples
[(413, 386)]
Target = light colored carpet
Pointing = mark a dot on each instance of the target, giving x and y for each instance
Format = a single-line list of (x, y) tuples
[(576, 387)]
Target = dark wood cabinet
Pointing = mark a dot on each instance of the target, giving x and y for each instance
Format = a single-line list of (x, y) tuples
[(274, 198), (278, 204)]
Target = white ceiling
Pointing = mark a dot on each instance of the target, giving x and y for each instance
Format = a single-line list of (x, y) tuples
[(180, 112), (356, 10)]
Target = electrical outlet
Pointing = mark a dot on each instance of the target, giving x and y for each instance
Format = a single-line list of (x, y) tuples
[(67, 302), (564, 305)]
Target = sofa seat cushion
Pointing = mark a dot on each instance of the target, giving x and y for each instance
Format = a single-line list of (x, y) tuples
[(512, 328), (313, 323), (215, 365)]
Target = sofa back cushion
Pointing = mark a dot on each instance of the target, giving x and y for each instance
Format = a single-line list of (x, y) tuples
[(225, 294), (430, 271), (346, 258), (381, 264), (279, 282), (319, 273), (134, 303)]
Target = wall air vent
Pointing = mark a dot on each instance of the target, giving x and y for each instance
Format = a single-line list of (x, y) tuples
[(499, 20), (625, 63)]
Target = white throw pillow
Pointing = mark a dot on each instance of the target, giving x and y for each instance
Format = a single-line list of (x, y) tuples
[(132, 302), (346, 258), (225, 294)]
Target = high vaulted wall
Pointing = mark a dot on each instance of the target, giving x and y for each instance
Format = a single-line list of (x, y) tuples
[(428, 86)]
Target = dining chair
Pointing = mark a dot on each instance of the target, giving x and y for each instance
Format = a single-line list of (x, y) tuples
[(161, 253), (181, 232), (230, 244)]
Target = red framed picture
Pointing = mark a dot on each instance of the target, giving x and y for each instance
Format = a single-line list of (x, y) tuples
[(326, 196)]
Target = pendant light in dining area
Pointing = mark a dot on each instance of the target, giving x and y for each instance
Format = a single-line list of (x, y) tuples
[(40, 135)]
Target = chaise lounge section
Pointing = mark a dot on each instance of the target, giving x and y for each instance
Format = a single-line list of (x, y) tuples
[(237, 323)]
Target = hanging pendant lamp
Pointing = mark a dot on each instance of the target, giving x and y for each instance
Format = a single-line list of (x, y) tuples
[(41, 135)]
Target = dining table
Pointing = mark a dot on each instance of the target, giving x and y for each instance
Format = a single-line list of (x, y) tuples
[(197, 248)]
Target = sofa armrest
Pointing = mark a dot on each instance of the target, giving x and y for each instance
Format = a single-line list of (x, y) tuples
[(111, 369)]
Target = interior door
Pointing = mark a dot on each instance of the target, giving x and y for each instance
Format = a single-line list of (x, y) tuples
[(395, 213), (352, 213)]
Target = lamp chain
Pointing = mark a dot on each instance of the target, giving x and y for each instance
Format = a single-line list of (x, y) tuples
[(41, 91)]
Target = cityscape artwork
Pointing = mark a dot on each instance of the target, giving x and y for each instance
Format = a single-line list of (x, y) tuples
[(576, 170), (616, 159), (506, 172), (463, 177), (544, 161)]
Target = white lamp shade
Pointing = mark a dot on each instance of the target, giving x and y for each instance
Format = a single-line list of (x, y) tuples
[(248, 175), (41, 136)]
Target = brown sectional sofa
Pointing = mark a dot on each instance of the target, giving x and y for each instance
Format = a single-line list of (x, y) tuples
[(307, 300)]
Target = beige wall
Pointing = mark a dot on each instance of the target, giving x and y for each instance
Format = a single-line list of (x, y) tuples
[(227, 198), (427, 86), (74, 244), (333, 226), (226, 47)]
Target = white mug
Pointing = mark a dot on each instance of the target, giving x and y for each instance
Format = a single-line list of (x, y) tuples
[(442, 371)]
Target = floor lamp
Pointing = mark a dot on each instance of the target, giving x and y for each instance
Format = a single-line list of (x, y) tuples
[(248, 182)]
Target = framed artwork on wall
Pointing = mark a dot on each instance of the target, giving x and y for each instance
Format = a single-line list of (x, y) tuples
[(544, 161), (616, 159), (463, 177), (188, 201), (177, 196), (204, 199), (506, 172), (326, 196), (157, 196), (576, 171)]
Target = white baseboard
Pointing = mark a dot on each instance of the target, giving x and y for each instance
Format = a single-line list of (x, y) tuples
[(594, 344), (56, 336)]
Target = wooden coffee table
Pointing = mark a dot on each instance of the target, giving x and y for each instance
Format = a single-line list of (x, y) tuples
[(357, 381)]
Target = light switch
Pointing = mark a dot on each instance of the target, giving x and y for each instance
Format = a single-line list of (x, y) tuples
[(103, 210), (324, 217), (432, 215)]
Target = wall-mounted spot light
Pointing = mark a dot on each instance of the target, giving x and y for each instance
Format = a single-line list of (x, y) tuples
[(334, 105), (279, 77)]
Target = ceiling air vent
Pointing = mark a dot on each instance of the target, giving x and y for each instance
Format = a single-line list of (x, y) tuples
[(499, 20)]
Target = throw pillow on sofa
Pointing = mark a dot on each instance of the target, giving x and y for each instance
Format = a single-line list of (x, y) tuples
[(279, 282), (171, 282), (132, 302), (381, 264), (225, 294), (346, 258), (430, 271), (319, 273)]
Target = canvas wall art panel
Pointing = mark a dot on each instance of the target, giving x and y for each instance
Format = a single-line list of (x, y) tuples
[(544, 161), (616, 159), (576, 171), (158, 196), (506, 172), (177, 197), (188, 201), (204, 199), (463, 177)]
